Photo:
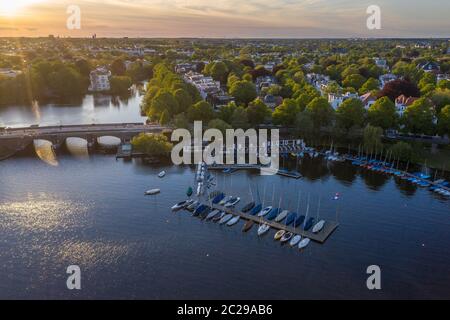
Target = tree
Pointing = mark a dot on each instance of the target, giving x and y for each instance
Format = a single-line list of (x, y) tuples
[(321, 112), (165, 118), (243, 91), (218, 70), (370, 85), (407, 70), (184, 100), (350, 113), (152, 144), (396, 88), (372, 138), (239, 120), (201, 111), (402, 151), (444, 121), (418, 117), (164, 100), (383, 114), (257, 112), (120, 85), (304, 123), (354, 81), (226, 112), (118, 67), (220, 125), (441, 98), (286, 113)]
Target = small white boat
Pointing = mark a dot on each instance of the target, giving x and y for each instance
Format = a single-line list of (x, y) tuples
[(263, 229), (282, 216), (162, 174), (286, 237), (182, 204), (233, 221), (152, 192), (295, 240), (304, 243), (226, 218), (279, 235), (232, 202), (192, 206), (219, 216), (225, 200), (212, 214), (319, 226), (265, 211)]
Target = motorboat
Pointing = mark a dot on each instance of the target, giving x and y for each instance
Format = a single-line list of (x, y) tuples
[(255, 210), (248, 225), (319, 226), (152, 192), (233, 221), (182, 204), (304, 243), (219, 216), (265, 211), (193, 206), (248, 207), (212, 214), (162, 174), (282, 216), (279, 235), (295, 240), (291, 218), (232, 202), (226, 218), (225, 200), (263, 229), (286, 237)]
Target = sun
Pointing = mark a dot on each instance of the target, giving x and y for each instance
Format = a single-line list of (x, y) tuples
[(13, 7)]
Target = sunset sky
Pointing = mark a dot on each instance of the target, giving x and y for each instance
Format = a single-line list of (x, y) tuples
[(226, 18)]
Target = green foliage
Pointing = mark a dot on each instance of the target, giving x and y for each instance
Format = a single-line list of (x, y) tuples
[(372, 138), (355, 81), (118, 67), (220, 125), (350, 113), (286, 113), (164, 100), (152, 144), (258, 112), (239, 120), (218, 70), (383, 114), (120, 85), (201, 111), (402, 151), (418, 117), (444, 121), (243, 91), (370, 85), (226, 112), (441, 98), (304, 124), (321, 112)]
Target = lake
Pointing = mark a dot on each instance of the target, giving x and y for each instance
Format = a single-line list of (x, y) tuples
[(93, 213)]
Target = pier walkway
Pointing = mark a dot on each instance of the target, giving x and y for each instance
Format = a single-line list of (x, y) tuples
[(320, 237)]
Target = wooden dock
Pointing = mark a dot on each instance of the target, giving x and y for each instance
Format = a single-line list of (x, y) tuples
[(320, 237)]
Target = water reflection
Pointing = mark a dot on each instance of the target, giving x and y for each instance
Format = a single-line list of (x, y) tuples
[(44, 150)]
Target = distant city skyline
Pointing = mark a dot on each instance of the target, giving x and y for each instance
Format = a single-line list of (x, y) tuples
[(226, 18)]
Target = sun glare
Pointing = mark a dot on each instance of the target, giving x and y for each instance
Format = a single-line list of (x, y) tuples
[(13, 7)]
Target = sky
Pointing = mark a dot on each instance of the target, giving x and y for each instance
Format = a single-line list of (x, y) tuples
[(226, 18)]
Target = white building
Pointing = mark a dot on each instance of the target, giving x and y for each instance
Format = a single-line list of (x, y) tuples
[(402, 102), (368, 100), (385, 78), (381, 63), (336, 99), (205, 85), (319, 81), (100, 79)]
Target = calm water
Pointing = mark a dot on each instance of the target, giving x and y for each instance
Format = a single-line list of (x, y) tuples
[(91, 109), (93, 213)]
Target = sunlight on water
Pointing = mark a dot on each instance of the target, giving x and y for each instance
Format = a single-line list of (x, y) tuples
[(45, 152), (42, 212)]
